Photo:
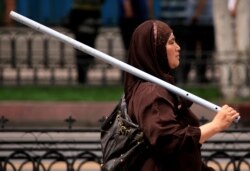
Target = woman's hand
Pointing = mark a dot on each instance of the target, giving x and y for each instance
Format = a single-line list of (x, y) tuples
[(223, 119)]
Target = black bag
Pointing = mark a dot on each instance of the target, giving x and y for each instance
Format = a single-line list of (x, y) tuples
[(124, 147)]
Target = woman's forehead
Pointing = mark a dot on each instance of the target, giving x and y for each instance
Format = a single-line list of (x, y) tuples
[(171, 36)]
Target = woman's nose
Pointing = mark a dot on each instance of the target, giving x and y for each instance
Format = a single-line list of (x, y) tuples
[(178, 47)]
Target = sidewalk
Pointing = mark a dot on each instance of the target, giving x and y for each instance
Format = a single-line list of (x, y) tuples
[(53, 114), (86, 114)]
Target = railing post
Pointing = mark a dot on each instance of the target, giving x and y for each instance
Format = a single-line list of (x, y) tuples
[(52, 77), (62, 54), (13, 50), (3, 121), (18, 75), (35, 75), (29, 51), (46, 52), (70, 79), (1, 75)]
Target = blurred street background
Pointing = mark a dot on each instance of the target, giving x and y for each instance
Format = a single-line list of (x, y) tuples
[(53, 100)]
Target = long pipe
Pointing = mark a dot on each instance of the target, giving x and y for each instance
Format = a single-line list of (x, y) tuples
[(111, 60)]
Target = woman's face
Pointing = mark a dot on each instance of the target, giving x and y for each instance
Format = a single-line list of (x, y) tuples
[(173, 52)]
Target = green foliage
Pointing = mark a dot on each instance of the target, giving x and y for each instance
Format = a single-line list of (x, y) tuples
[(60, 93), (83, 93), (208, 93)]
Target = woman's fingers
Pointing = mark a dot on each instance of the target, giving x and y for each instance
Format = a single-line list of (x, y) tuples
[(235, 115), (230, 114)]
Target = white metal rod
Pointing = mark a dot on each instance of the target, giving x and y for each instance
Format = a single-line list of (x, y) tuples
[(113, 61)]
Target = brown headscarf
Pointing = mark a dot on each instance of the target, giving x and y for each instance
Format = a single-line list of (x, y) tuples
[(147, 52)]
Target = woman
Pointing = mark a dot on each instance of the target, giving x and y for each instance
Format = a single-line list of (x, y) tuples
[(165, 119)]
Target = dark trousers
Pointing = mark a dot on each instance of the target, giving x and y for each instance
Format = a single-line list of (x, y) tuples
[(84, 24), (127, 27), (83, 60), (199, 47)]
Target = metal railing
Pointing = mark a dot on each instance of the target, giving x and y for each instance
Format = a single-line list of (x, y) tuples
[(79, 149), (49, 149), (30, 57), (228, 151)]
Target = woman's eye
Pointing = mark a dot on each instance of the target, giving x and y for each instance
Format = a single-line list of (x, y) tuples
[(171, 42)]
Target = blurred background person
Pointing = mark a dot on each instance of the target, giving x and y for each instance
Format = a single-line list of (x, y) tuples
[(240, 21), (131, 14), (5, 7), (84, 22), (201, 40), (232, 6), (232, 21), (2, 8)]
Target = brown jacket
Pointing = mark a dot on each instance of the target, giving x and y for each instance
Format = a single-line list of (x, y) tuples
[(172, 132)]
